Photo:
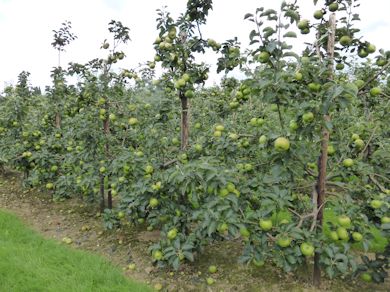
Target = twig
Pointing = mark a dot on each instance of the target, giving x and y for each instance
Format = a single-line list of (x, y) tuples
[(375, 76), (373, 179), (168, 163), (381, 176), (370, 139)]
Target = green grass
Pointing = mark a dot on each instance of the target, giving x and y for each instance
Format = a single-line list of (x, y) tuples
[(31, 263)]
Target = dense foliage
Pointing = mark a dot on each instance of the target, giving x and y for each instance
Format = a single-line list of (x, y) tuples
[(242, 159)]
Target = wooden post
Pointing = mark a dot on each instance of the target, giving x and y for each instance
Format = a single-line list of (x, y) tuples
[(58, 120), (184, 121), (323, 159)]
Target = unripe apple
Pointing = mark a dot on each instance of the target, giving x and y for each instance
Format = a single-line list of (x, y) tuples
[(307, 249), (342, 233), (348, 162), (357, 236), (318, 14), (308, 117), (282, 144), (265, 224), (304, 23), (344, 221), (345, 40), (376, 204)]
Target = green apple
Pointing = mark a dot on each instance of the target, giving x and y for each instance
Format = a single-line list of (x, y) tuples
[(293, 125), (157, 255), (333, 7), (307, 249), (355, 137), (219, 128), (375, 91), (244, 232), (345, 40), (376, 204), (334, 236), (315, 87), (348, 162), (262, 139), (210, 281), (282, 144), (213, 269), (180, 83), (149, 169), (133, 121), (233, 136), (223, 192), (172, 234), (283, 241), (253, 122), (366, 277), (217, 134), (153, 202), (265, 224), (342, 233), (49, 186), (344, 221), (231, 187), (263, 57), (331, 150), (298, 76), (381, 61), (385, 220), (223, 227), (359, 83), (318, 14), (198, 147), (304, 23), (371, 48), (308, 117), (362, 53), (357, 236), (340, 66), (305, 59), (359, 143), (189, 93), (274, 107)]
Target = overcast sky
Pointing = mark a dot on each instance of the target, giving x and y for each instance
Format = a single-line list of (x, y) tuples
[(26, 29)]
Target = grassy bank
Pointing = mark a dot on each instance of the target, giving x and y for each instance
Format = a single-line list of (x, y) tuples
[(32, 263)]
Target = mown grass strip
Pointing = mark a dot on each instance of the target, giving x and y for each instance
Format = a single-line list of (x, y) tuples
[(31, 263)]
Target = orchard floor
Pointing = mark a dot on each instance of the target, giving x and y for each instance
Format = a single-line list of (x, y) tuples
[(78, 221)]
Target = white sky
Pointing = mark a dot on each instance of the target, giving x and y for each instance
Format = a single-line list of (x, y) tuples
[(26, 29)]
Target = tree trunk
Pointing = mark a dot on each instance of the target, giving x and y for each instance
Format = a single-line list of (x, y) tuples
[(102, 199), (184, 122), (58, 120), (323, 159), (106, 129)]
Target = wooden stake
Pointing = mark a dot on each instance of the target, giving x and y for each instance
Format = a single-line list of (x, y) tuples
[(323, 159)]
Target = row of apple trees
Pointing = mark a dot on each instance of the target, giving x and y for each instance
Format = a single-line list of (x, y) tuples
[(294, 159)]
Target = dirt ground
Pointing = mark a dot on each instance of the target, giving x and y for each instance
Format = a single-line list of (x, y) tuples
[(81, 222)]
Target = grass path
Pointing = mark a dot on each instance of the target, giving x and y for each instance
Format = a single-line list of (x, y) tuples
[(28, 262)]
